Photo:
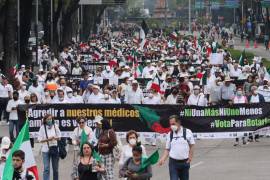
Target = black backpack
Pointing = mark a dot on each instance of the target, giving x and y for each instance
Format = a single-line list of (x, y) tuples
[(184, 134)]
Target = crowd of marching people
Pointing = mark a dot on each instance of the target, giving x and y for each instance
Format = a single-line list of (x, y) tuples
[(120, 68)]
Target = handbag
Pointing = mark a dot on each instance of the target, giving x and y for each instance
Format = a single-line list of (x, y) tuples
[(53, 150), (116, 149), (62, 148)]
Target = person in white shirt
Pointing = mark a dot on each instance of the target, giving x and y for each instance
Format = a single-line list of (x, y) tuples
[(235, 71), (96, 96), (107, 73), (106, 99), (13, 115), (172, 98), (23, 92), (134, 95), (114, 97), (48, 135), (63, 86), (125, 73), (37, 89), (147, 69), (78, 98), (6, 91), (5, 148), (197, 98), (77, 133), (70, 98), (179, 148), (255, 97), (46, 98), (77, 70), (126, 153), (240, 98), (97, 131), (153, 98), (62, 69), (60, 98)]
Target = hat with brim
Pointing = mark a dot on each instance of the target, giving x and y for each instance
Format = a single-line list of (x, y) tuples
[(227, 79), (98, 119), (96, 87), (5, 144)]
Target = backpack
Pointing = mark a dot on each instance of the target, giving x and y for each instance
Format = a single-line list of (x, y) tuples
[(184, 134)]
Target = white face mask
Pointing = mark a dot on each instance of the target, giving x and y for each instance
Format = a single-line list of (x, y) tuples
[(132, 141), (46, 93), (196, 91), (150, 95), (75, 94), (61, 99), (24, 87), (174, 128), (69, 95)]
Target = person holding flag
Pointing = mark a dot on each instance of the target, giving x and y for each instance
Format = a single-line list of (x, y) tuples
[(20, 173), (135, 168), (20, 163)]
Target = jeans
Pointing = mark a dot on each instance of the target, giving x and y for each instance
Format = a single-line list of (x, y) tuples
[(13, 124), (178, 170), (3, 106), (46, 163)]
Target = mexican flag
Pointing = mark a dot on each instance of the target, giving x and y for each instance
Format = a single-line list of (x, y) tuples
[(22, 143), (242, 57), (137, 70), (151, 118), (84, 138), (14, 70), (151, 160), (156, 84)]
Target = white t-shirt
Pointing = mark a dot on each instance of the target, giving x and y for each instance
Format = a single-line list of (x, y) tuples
[(13, 115), (179, 147), (53, 131), (4, 90), (254, 99)]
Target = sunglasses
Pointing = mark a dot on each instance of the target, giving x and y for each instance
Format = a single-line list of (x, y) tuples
[(81, 122)]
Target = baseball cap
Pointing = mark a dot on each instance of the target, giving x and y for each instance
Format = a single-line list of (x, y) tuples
[(5, 143)]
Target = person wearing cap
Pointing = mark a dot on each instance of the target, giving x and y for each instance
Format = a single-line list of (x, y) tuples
[(134, 95), (147, 69), (96, 96), (126, 72), (97, 131), (5, 148), (114, 97), (228, 90), (6, 91), (215, 92), (264, 90), (60, 98), (197, 98), (98, 79)]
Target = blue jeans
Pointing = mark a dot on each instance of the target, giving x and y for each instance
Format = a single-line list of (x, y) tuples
[(46, 163), (13, 124), (178, 170)]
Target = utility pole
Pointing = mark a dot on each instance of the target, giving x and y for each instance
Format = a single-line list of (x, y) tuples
[(242, 15), (166, 15), (36, 32), (52, 11), (189, 16)]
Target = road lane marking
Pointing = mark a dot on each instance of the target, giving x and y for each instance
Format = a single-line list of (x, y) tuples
[(197, 164)]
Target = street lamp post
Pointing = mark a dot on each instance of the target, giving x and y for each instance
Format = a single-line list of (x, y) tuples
[(52, 10), (18, 32)]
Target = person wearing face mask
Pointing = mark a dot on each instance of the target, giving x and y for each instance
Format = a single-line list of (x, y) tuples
[(134, 95), (255, 97), (96, 96), (215, 92), (48, 135), (46, 99), (77, 70), (63, 85), (197, 98), (131, 139), (36, 88), (20, 173), (107, 73), (151, 99), (114, 97), (179, 148), (13, 115), (265, 90), (5, 148), (70, 98), (23, 92)]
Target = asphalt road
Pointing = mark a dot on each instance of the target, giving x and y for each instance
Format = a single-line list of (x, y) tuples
[(213, 160)]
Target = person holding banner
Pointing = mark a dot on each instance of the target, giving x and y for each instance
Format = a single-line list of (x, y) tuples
[(179, 149)]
